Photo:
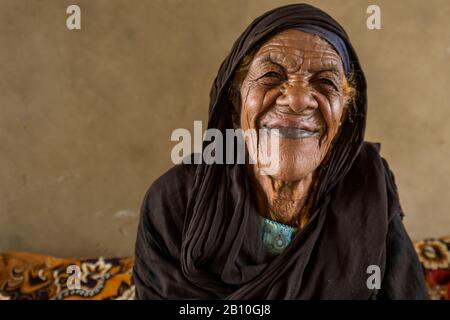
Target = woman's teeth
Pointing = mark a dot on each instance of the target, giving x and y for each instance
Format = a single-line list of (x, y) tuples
[(291, 133)]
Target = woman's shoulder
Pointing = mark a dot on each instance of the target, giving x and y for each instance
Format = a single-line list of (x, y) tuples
[(370, 154), (163, 210), (174, 185), (369, 159), (373, 168)]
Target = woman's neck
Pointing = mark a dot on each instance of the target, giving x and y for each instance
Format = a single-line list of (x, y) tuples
[(286, 202)]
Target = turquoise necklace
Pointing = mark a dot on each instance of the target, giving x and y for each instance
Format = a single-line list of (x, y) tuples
[(276, 236)]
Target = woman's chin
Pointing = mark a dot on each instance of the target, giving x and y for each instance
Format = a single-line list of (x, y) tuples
[(287, 171)]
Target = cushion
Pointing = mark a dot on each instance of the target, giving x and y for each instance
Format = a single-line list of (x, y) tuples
[(37, 277)]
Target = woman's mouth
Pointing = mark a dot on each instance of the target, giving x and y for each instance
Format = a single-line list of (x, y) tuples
[(290, 132), (292, 127)]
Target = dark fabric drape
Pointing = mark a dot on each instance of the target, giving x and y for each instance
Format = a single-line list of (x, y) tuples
[(199, 238)]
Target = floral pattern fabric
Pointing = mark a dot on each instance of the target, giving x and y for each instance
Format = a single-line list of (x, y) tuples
[(25, 276), (38, 277), (434, 254)]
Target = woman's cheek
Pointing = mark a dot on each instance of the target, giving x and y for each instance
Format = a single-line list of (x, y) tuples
[(270, 98), (337, 111), (253, 98), (331, 109)]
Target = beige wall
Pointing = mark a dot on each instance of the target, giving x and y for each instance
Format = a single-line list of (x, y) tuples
[(86, 116)]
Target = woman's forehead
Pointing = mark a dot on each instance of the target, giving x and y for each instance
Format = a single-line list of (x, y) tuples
[(293, 48)]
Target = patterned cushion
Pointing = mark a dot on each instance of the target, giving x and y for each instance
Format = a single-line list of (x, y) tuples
[(33, 276), (434, 254)]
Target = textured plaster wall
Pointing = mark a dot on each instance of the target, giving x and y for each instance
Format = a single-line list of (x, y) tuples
[(86, 116)]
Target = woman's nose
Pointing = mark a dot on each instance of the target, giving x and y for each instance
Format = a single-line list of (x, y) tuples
[(297, 96)]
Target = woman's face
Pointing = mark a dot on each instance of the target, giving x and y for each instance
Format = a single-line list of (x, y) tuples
[(295, 84)]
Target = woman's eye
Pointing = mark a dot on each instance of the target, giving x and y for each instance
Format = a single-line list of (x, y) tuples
[(328, 82), (272, 74), (271, 78)]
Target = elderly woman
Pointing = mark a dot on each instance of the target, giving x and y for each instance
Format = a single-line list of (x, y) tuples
[(313, 228)]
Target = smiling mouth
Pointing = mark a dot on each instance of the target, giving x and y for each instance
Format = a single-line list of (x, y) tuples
[(291, 133)]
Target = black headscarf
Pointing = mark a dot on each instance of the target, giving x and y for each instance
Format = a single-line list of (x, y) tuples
[(199, 236)]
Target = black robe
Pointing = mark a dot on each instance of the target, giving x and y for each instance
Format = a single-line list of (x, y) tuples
[(199, 237)]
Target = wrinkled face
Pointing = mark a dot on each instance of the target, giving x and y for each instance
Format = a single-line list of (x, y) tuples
[(295, 84)]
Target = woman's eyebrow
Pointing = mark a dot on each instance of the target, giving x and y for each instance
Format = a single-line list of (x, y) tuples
[(329, 66), (334, 69)]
